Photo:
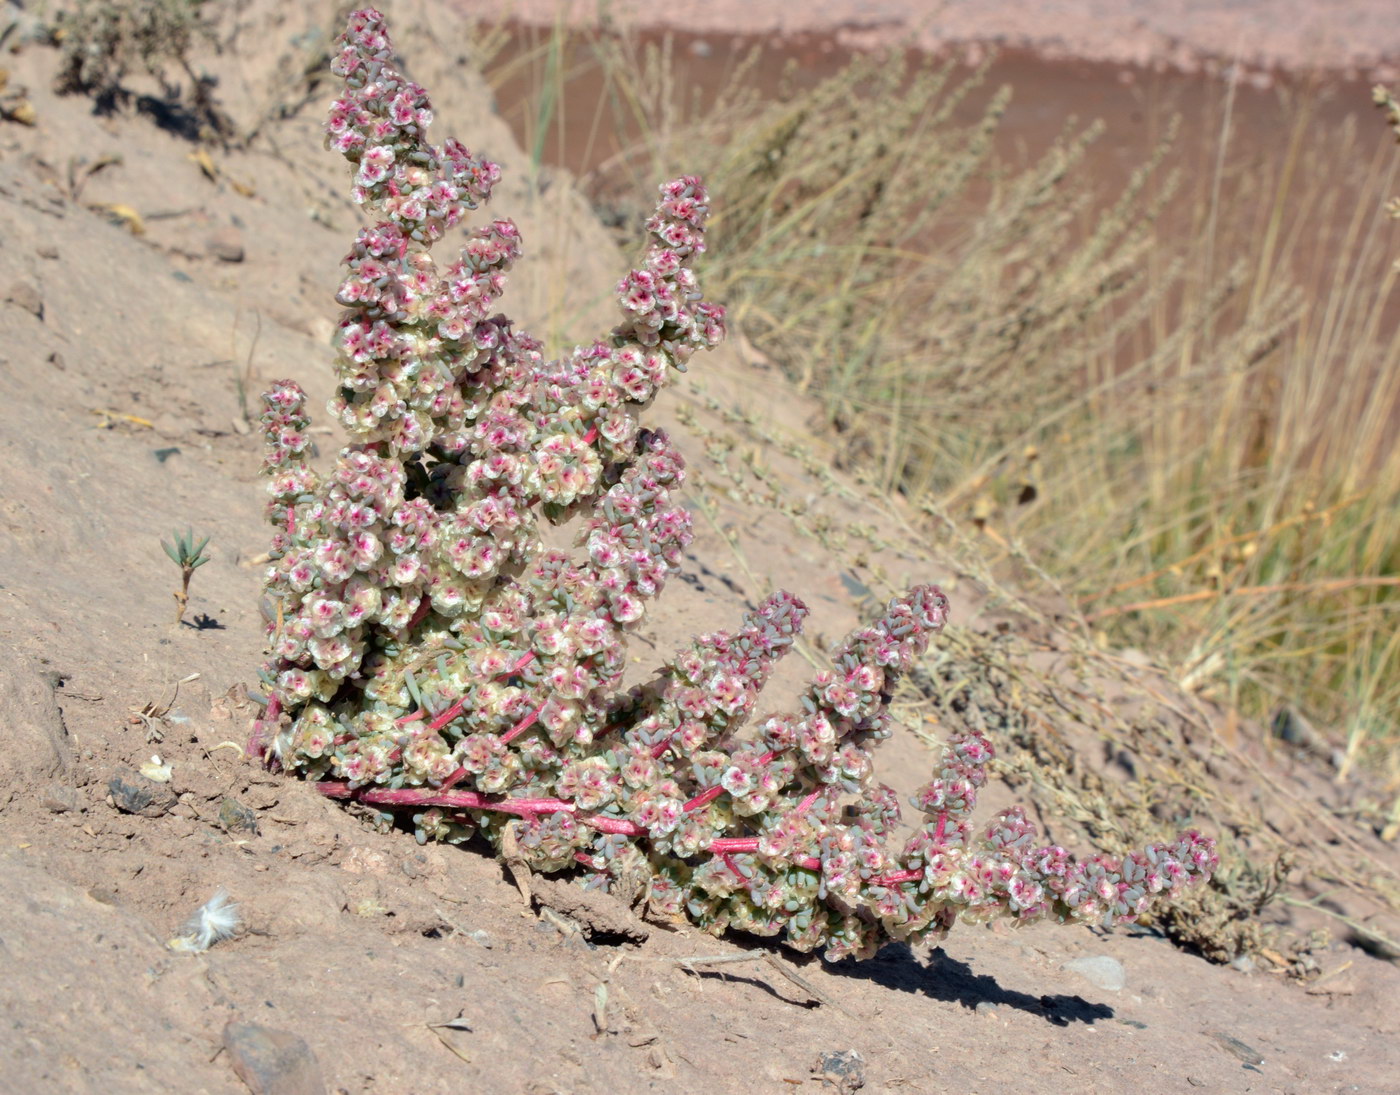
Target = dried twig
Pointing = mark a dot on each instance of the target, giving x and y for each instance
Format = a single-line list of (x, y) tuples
[(771, 960), (158, 711)]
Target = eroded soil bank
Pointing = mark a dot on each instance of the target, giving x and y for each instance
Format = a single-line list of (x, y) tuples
[(1362, 36)]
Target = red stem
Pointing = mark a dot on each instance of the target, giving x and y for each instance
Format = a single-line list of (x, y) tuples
[(521, 726), (704, 798), (448, 715), (591, 436), (452, 780), (434, 796), (424, 604), (724, 847), (896, 877), (616, 825), (257, 742), (473, 800), (456, 709)]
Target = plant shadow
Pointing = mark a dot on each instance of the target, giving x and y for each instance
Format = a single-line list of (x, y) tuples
[(949, 980), (194, 117)]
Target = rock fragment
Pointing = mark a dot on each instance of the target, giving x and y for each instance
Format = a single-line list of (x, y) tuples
[(842, 1069), (24, 294), (226, 245), (273, 1062), (37, 746), (1099, 970), (59, 798), (237, 818), (132, 793)]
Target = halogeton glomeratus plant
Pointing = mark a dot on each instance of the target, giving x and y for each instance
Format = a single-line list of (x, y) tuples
[(433, 658)]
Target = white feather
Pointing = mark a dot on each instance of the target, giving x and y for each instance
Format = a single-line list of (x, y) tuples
[(214, 921)]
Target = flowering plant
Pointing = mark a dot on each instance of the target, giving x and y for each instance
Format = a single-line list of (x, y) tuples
[(431, 654)]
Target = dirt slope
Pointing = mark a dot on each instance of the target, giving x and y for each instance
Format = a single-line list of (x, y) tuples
[(121, 358), (1348, 35)]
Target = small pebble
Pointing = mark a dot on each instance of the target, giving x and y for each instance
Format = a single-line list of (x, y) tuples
[(23, 294), (237, 818), (273, 1062), (132, 793), (843, 1069), (226, 245), (1243, 1050), (58, 798), (156, 770), (21, 111), (1100, 970)]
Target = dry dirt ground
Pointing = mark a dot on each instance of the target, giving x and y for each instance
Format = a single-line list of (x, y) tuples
[(407, 969)]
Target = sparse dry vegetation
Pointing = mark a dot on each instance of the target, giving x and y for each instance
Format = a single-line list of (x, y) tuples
[(105, 42)]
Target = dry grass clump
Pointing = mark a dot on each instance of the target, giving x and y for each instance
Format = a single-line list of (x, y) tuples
[(1254, 526)]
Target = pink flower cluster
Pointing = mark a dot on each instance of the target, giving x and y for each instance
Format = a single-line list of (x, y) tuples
[(430, 651), (380, 125)]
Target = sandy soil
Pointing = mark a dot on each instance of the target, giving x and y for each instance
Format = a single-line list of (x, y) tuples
[(407, 969), (1360, 36)]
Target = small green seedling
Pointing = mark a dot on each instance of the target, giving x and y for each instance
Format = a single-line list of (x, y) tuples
[(187, 555)]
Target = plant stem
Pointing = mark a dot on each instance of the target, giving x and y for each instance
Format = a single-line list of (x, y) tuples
[(521, 726), (723, 847), (182, 598), (473, 800), (457, 708), (704, 798), (257, 740)]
